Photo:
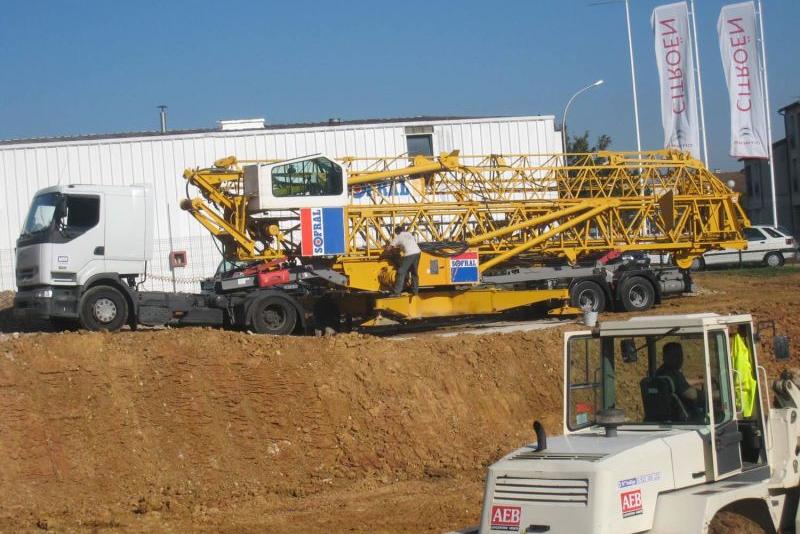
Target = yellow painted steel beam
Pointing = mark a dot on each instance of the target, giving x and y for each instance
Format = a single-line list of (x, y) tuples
[(527, 245), (469, 302), (420, 165)]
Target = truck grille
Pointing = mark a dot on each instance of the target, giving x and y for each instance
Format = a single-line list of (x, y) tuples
[(570, 491)]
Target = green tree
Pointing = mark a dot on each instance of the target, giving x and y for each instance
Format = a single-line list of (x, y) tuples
[(580, 143)]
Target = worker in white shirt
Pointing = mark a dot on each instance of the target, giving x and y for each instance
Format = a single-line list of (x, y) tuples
[(405, 242)]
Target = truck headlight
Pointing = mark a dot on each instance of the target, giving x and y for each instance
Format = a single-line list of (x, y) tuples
[(43, 293)]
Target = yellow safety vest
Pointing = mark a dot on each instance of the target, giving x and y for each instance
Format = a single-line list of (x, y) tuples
[(744, 384)]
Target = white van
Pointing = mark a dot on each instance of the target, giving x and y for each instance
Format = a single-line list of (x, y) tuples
[(766, 245)]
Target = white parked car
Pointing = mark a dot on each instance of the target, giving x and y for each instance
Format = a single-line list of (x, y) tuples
[(766, 245)]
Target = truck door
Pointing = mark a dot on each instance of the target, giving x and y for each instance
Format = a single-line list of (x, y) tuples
[(725, 436), (79, 242)]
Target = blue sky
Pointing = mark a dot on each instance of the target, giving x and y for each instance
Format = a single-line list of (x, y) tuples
[(75, 67)]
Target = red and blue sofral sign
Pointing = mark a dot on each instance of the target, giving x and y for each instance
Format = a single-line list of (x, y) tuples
[(464, 268), (322, 231)]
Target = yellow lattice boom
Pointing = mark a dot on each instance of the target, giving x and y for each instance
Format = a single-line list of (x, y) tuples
[(513, 209)]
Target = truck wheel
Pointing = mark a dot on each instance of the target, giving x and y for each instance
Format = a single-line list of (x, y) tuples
[(103, 308), (773, 259), (698, 264), (636, 294), (274, 315), (588, 296)]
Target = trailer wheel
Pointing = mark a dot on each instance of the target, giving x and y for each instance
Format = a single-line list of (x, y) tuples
[(103, 308), (588, 296), (636, 294), (274, 315)]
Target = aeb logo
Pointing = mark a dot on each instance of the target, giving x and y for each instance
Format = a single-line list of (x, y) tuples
[(505, 518), (631, 502)]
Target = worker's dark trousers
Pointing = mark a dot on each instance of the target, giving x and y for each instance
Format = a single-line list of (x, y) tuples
[(409, 264)]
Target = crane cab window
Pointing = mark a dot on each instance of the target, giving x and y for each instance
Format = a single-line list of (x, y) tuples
[(658, 379), (308, 178)]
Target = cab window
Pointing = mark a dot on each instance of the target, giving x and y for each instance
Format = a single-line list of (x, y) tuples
[(82, 213), (309, 178)]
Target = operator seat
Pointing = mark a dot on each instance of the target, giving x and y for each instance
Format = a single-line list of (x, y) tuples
[(661, 403)]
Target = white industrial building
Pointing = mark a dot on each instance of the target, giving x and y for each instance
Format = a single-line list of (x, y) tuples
[(160, 159)]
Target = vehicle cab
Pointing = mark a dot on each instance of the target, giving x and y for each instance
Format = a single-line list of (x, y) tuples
[(652, 406), (73, 233)]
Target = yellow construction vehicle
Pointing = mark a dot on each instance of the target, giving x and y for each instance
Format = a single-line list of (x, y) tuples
[(497, 232)]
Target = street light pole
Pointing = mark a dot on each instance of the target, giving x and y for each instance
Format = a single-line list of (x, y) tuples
[(566, 108)]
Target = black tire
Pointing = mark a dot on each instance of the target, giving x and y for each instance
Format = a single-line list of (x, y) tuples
[(698, 264), (588, 296), (103, 308), (273, 315), (774, 259), (637, 294)]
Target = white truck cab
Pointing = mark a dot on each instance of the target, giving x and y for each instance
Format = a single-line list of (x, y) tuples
[(657, 437), (74, 234)]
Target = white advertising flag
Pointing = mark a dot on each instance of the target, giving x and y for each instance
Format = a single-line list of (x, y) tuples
[(736, 28), (673, 41)]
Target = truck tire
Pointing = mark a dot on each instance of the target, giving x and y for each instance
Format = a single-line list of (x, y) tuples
[(637, 294), (588, 296), (103, 308), (773, 259), (698, 264), (273, 315)]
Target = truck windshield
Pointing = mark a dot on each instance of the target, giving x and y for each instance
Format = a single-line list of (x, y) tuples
[(652, 379), (40, 216)]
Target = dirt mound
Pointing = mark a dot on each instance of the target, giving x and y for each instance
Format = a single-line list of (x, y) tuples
[(205, 430), (169, 421)]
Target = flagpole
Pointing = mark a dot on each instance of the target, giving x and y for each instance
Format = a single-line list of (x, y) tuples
[(767, 112), (699, 83), (633, 78)]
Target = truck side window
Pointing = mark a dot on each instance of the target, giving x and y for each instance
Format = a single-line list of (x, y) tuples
[(309, 178), (83, 213)]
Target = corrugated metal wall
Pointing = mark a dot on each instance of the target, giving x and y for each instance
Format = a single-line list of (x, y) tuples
[(26, 168)]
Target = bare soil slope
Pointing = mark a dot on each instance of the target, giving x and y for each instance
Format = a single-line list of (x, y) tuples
[(205, 430)]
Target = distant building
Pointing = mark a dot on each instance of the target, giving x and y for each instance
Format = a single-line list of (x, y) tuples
[(758, 194), (159, 158), (736, 177)]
